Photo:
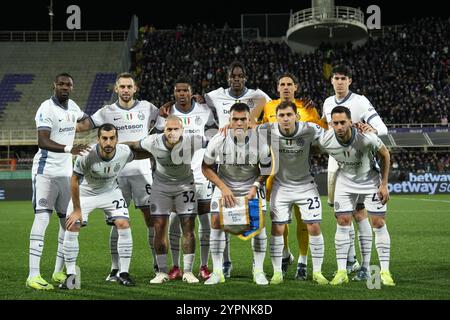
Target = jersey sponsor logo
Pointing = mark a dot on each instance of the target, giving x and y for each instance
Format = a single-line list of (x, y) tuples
[(130, 127), (68, 129)]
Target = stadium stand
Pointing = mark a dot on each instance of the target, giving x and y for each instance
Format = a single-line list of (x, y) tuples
[(28, 69), (404, 72)]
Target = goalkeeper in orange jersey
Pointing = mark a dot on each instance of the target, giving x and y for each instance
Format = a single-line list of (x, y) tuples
[(287, 86)]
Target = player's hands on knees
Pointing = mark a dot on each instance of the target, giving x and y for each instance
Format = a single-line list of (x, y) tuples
[(80, 149), (228, 198), (383, 194), (252, 193), (164, 110), (365, 128), (73, 219), (199, 98)]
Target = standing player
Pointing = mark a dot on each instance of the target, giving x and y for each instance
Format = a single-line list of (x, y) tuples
[(94, 185), (134, 119), (56, 120), (173, 187), (294, 185), (221, 100), (365, 117), (197, 119), (287, 86), (358, 180), (241, 159)]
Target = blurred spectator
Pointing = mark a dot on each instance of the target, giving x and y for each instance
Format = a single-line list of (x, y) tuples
[(404, 73)]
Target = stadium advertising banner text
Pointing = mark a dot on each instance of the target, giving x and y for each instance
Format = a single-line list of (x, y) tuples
[(422, 183)]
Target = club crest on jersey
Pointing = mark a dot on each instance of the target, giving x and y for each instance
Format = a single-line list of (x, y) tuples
[(198, 121), (141, 116), (117, 167), (250, 103), (300, 142)]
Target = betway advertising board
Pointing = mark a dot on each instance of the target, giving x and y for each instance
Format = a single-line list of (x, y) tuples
[(422, 183)]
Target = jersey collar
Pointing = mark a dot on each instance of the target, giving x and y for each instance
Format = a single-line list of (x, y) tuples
[(343, 100), (56, 101), (175, 106), (351, 139), (243, 93), (136, 102), (291, 135)]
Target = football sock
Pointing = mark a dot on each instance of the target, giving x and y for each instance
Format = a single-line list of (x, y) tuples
[(259, 246), (204, 231), (276, 252), (217, 245), (59, 264), (342, 243), (383, 245), (71, 249), (37, 234), (113, 237), (125, 248), (162, 262), (365, 241), (351, 251), (226, 252), (174, 238), (188, 261), (317, 248)]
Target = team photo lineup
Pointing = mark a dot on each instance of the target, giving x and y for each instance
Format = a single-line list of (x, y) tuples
[(306, 157), (198, 175)]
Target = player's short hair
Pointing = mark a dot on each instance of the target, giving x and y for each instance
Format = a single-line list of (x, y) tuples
[(286, 104), (234, 65), (64, 74), (342, 109), (174, 117), (126, 75), (107, 127), (183, 80), (342, 69), (287, 75), (240, 107)]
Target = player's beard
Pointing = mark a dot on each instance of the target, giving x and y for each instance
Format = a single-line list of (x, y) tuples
[(173, 138)]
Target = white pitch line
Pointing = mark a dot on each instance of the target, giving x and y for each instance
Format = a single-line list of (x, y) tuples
[(430, 200)]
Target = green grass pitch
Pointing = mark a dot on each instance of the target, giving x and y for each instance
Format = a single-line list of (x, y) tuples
[(420, 260)]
